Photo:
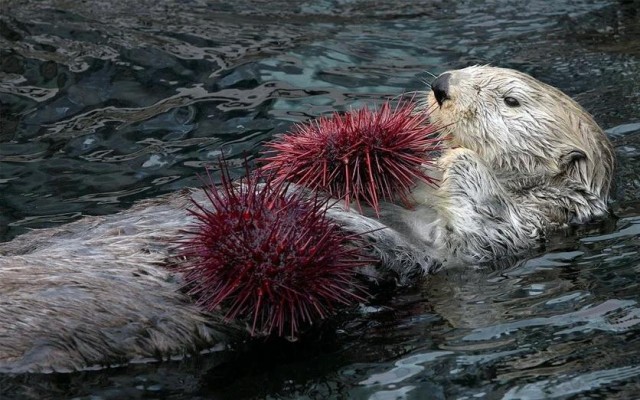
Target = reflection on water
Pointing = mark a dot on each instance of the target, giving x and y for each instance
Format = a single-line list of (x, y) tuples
[(105, 103)]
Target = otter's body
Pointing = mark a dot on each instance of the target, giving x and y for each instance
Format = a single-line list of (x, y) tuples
[(525, 159), (97, 292)]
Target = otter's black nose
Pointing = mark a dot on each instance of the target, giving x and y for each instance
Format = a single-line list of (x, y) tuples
[(440, 87)]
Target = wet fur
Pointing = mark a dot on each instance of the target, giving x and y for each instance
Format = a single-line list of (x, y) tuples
[(512, 174), (101, 291), (518, 171), (97, 292)]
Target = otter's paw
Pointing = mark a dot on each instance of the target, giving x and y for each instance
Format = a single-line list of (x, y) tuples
[(465, 172), (457, 156)]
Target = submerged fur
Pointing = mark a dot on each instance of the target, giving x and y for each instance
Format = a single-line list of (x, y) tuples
[(101, 291)]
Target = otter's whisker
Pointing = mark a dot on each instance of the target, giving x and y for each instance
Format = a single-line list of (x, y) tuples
[(431, 73)]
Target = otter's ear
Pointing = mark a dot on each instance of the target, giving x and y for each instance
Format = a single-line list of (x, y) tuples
[(571, 158)]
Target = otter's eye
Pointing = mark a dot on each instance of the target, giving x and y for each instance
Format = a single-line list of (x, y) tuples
[(511, 101)]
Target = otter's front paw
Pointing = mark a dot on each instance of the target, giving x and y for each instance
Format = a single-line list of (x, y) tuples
[(465, 167), (465, 174), (456, 156)]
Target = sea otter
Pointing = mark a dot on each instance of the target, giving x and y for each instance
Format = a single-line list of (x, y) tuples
[(525, 159)]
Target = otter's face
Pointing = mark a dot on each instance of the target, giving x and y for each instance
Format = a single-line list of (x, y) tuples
[(518, 124)]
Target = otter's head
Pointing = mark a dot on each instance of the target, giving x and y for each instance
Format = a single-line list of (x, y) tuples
[(518, 124)]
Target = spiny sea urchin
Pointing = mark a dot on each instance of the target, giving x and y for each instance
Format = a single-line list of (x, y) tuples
[(268, 255), (361, 155)]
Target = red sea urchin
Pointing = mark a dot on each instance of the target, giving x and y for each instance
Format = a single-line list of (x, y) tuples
[(361, 155), (269, 256)]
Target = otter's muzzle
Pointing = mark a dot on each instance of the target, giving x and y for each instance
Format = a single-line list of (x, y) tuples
[(440, 87)]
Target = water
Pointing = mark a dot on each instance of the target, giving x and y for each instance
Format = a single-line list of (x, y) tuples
[(106, 103)]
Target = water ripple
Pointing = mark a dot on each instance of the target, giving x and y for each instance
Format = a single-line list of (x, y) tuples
[(567, 385), (404, 369), (611, 316), (106, 103)]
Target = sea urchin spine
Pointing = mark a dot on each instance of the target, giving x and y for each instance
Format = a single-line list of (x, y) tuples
[(361, 155), (267, 255)]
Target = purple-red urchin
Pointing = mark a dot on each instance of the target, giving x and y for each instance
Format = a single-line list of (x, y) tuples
[(269, 256), (361, 155)]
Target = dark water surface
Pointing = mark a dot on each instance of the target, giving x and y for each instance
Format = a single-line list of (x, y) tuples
[(103, 103)]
